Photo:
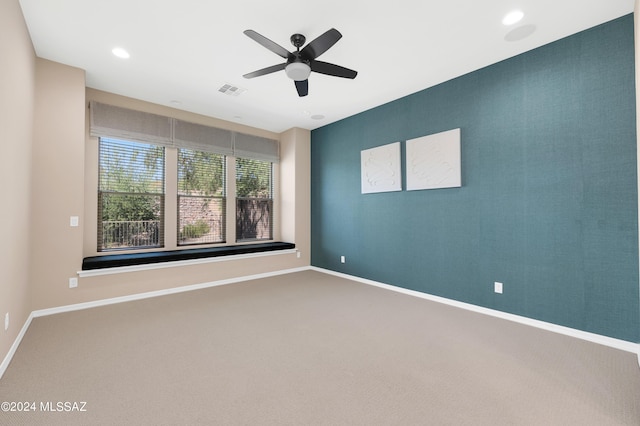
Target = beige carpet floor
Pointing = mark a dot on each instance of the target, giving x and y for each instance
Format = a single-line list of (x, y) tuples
[(311, 349)]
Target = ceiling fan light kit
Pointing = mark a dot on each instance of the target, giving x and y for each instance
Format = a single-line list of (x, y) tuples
[(297, 71), (300, 63)]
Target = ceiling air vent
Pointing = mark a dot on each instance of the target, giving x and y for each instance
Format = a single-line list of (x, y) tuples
[(231, 90)]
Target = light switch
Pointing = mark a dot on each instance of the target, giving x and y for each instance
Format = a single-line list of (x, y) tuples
[(74, 221)]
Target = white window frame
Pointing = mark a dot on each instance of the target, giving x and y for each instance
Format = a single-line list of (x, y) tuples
[(170, 219)]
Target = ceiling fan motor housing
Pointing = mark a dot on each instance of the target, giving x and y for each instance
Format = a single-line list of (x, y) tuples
[(298, 40), (297, 69)]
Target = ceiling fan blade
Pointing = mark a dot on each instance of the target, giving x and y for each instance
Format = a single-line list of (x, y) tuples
[(332, 69), (274, 47), (321, 44), (267, 70), (302, 87)]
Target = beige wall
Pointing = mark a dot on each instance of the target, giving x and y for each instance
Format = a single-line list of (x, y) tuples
[(295, 183), (17, 75), (58, 181), (62, 135), (46, 180), (91, 162)]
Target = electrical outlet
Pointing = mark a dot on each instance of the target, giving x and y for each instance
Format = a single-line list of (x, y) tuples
[(73, 282), (342, 259), (6, 321), (497, 287)]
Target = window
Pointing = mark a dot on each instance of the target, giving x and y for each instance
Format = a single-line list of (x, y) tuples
[(201, 197), (130, 195), (168, 184), (254, 200)]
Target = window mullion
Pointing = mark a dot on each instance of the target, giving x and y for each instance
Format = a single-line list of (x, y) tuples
[(171, 198), (231, 199)]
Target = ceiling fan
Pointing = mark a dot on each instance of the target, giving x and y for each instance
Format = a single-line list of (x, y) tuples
[(300, 63)]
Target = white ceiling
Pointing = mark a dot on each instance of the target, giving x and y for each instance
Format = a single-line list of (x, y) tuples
[(183, 51)]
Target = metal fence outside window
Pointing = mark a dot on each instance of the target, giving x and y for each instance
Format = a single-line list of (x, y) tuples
[(121, 234)]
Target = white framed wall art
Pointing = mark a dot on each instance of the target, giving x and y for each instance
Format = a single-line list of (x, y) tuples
[(433, 161), (380, 169)]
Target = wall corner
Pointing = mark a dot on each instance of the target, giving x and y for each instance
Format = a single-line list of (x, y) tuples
[(295, 190)]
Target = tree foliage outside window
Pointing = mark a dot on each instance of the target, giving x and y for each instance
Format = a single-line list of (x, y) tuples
[(130, 195), (201, 197), (254, 202)]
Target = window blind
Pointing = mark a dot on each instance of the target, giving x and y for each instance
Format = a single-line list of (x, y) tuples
[(200, 173), (130, 167), (254, 202), (256, 148), (122, 123), (201, 197), (254, 178), (130, 195), (198, 137)]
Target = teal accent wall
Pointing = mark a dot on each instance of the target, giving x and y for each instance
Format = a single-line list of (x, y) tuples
[(548, 204)]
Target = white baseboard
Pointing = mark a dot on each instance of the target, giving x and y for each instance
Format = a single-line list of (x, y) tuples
[(165, 292), (129, 298), (584, 335), (591, 337), (12, 350)]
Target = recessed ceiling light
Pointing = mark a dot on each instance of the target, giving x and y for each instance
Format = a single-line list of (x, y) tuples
[(120, 52), (513, 17), (520, 33)]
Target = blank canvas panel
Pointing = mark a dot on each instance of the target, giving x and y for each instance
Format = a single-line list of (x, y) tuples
[(433, 161), (380, 169)]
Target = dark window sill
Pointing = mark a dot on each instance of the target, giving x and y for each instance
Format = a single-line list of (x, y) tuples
[(135, 259)]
